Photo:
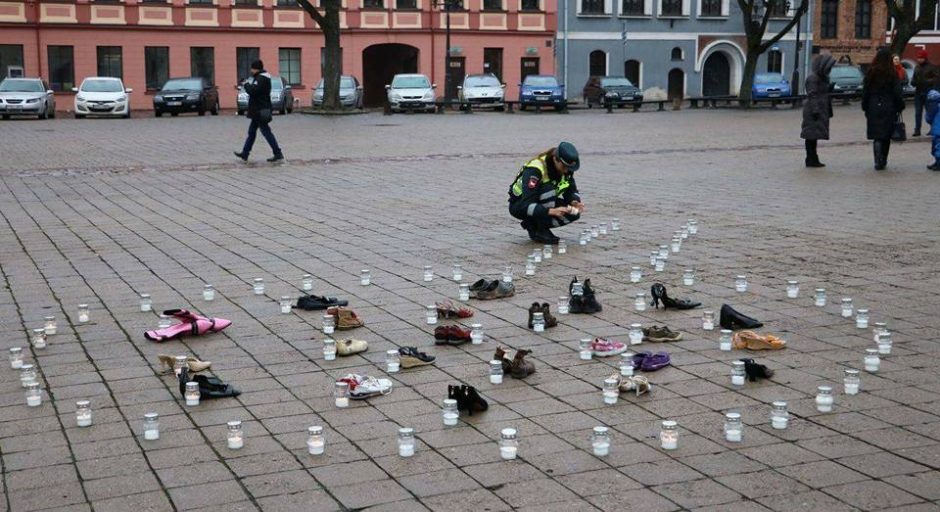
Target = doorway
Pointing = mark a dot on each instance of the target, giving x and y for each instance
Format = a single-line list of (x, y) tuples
[(380, 63), (458, 69), (676, 87), (530, 66), (716, 75), (493, 62)]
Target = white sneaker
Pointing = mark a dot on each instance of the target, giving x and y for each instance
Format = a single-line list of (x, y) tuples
[(362, 387)]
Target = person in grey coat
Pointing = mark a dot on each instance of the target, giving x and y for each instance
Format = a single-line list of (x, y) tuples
[(818, 108), (882, 101)]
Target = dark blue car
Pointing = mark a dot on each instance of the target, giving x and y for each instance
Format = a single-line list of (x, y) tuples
[(541, 90), (770, 85)]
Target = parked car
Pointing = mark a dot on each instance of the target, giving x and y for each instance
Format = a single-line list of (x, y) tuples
[(26, 97), (542, 90), (846, 78), (102, 96), (409, 91), (282, 97), (482, 91), (620, 90), (193, 94), (350, 92), (770, 85)]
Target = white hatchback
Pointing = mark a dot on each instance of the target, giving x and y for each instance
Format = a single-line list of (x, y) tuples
[(411, 92), (102, 96)]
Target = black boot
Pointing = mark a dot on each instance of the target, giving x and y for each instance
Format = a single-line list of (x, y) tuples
[(531, 229), (877, 149), (731, 319), (812, 157), (546, 236)]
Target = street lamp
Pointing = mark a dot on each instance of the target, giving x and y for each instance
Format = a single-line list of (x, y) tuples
[(447, 5), (795, 81)]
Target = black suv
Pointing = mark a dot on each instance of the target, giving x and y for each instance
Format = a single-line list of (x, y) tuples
[(193, 94), (619, 89)]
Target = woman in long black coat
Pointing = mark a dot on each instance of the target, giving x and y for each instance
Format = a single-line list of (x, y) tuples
[(882, 101), (818, 108)]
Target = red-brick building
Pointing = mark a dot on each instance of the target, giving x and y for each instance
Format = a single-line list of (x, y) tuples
[(851, 30), (147, 41)]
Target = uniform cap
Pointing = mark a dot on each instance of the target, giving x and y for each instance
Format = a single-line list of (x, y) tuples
[(568, 155)]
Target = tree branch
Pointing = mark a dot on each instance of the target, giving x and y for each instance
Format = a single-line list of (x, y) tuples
[(312, 11), (801, 10)]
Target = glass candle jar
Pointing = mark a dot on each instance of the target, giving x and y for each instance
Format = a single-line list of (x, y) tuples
[(563, 305), (615, 224), (660, 264), (675, 245), (329, 324), (236, 435), (50, 325), (538, 322), (820, 297), (450, 413), (664, 252), (779, 417), (392, 361), (365, 277), (306, 282), (164, 321), (537, 256), (585, 237), (258, 286), (684, 233), (476, 334), (179, 362), (861, 319), (428, 273), (653, 256), (16, 358), (693, 226), (600, 441), (463, 292), (626, 364), (688, 277), (39, 338), (595, 231), (639, 302), (508, 443), (884, 343), (562, 247), (636, 274), (285, 303), (636, 334), (329, 349), (146, 303), (28, 375), (496, 371), (611, 391), (83, 413), (577, 289), (669, 435), (708, 320), (458, 272), (431, 314), (878, 329), (847, 308), (530, 265), (851, 381), (872, 361), (546, 252), (83, 313), (406, 442), (507, 274), (734, 429), (824, 399), (208, 293), (737, 373), (584, 349), (740, 283), (793, 289), (724, 340), (33, 395), (316, 443), (341, 394), (192, 393), (151, 426)]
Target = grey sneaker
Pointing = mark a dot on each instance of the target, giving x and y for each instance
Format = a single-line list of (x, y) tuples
[(659, 334)]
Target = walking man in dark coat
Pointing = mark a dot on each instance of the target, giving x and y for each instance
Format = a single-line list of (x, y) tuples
[(818, 108), (924, 79), (258, 87)]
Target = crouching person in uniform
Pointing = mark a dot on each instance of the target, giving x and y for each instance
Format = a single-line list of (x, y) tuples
[(544, 194)]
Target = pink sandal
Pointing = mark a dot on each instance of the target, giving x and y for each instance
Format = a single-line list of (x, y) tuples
[(189, 324)]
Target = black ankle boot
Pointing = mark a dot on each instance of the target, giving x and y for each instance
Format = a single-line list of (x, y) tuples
[(475, 402), (733, 320)]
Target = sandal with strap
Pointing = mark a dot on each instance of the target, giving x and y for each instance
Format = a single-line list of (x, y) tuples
[(447, 309), (189, 324), (209, 387)]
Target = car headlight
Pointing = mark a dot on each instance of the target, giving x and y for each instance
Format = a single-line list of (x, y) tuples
[(192, 97), (33, 100), (122, 98), (80, 98), (526, 93), (158, 99), (395, 96), (429, 95)]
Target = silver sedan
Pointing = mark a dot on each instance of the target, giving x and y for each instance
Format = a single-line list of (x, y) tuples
[(26, 97)]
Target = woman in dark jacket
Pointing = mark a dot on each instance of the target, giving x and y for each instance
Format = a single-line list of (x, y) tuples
[(258, 88), (882, 101), (818, 108)]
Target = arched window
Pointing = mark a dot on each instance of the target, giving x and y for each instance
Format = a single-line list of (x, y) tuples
[(598, 63), (631, 70), (677, 53), (774, 61)]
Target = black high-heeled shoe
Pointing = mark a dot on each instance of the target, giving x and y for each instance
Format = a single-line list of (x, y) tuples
[(756, 371), (734, 320), (453, 393), (475, 402), (658, 291)]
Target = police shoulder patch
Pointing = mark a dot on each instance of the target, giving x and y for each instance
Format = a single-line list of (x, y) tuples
[(533, 182)]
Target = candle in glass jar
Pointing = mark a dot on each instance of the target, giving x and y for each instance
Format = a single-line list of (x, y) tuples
[(861, 319), (530, 265), (824, 399), (724, 340), (428, 273), (653, 256), (458, 272), (50, 326), (820, 297), (208, 293), (463, 292), (192, 394), (562, 247), (639, 302), (236, 436), (688, 277), (872, 361), (734, 429), (450, 413), (851, 381), (737, 373), (151, 426), (537, 256), (476, 334), (329, 324), (83, 413), (341, 394), (507, 274), (675, 245), (316, 443), (329, 349), (406, 442), (28, 375), (793, 289), (547, 252), (779, 417), (39, 338), (626, 364), (636, 334), (636, 274), (615, 224), (600, 441), (306, 282), (669, 435), (285, 304), (33, 395), (258, 286), (584, 349), (16, 358), (884, 343), (563, 305), (610, 392), (392, 361), (146, 304), (847, 308), (365, 277), (431, 314), (508, 443), (740, 283), (83, 315), (660, 264), (538, 322), (496, 372), (708, 320)]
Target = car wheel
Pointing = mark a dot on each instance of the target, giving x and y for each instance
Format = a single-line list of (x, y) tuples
[(202, 112), (283, 111), (521, 107), (240, 113), (157, 113), (128, 114), (174, 114), (52, 113), (44, 114), (215, 108)]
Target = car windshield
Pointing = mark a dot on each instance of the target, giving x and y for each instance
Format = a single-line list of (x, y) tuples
[(768, 78), (21, 86), (102, 86), (410, 82), (345, 82), (481, 81), (541, 81), (845, 72), (615, 82), (276, 84), (183, 84)]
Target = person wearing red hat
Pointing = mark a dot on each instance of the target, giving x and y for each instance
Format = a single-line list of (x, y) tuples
[(925, 77)]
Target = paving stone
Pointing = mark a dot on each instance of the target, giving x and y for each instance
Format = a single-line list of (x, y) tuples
[(872, 495), (697, 493)]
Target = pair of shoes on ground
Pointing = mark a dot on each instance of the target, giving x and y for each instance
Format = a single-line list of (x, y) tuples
[(317, 302), (362, 387), (210, 387), (734, 320), (411, 357), (451, 335), (468, 399), (650, 362), (658, 291), (602, 347), (345, 318), (586, 303), (348, 347), (660, 334), (636, 383), (194, 365), (244, 157), (517, 367), (190, 323), (541, 235), (756, 371), (485, 289), (750, 340), (546, 310), (447, 309)]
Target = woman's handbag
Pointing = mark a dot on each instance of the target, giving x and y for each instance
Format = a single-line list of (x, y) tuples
[(264, 116), (900, 129)]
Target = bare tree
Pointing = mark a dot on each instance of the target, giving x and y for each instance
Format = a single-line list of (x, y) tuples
[(329, 23), (756, 15), (908, 22)]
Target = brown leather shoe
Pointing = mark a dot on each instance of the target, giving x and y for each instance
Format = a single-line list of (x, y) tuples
[(550, 320), (345, 318), (520, 368)]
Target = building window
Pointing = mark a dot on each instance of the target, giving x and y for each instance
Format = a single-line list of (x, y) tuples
[(289, 65), (109, 61), (828, 22), (863, 19), (671, 8), (632, 7), (373, 4), (631, 70), (774, 61), (492, 5), (61, 68), (592, 7), (778, 8), (493, 62), (676, 54), (711, 8), (246, 3), (243, 59), (202, 63), (405, 5), (156, 66), (287, 3), (598, 63), (530, 66), (200, 2), (10, 55), (530, 5)]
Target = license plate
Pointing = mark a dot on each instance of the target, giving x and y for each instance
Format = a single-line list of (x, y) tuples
[(15, 107), (542, 98), (175, 103), (774, 95)]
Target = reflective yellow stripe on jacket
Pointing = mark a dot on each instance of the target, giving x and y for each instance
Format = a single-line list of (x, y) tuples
[(539, 165)]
